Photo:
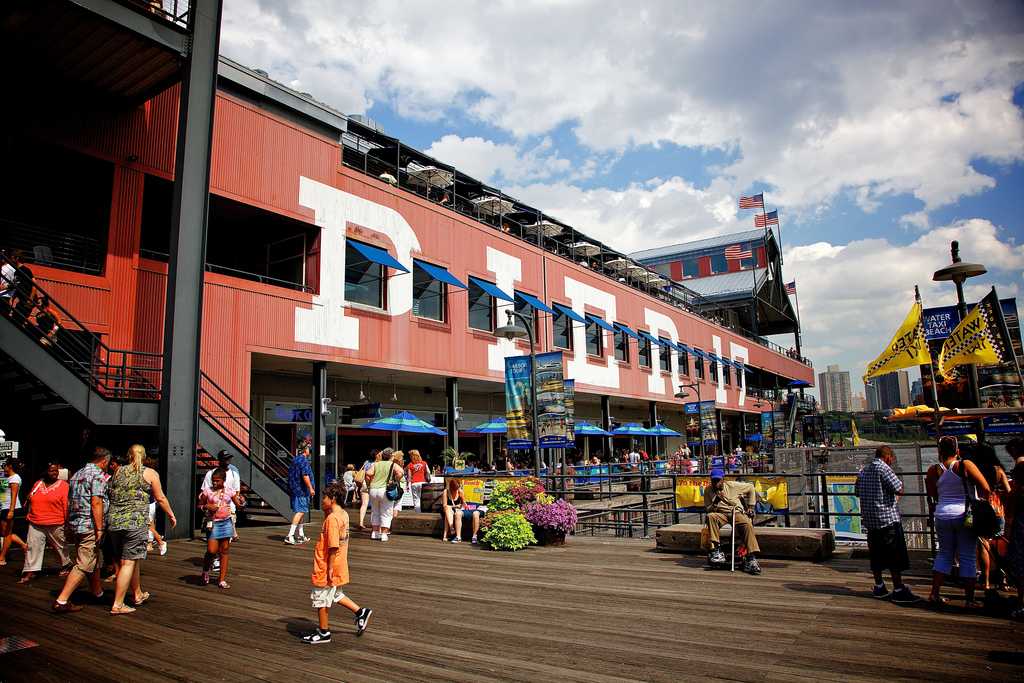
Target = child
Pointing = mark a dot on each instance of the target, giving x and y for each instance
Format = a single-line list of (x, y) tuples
[(330, 567), (349, 479), (216, 502)]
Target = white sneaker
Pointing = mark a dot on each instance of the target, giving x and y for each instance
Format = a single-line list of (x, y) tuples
[(163, 547), (303, 539), (374, 536), (384, 538), (289, 540)]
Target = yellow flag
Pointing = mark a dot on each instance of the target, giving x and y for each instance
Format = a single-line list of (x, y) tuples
[(979, 339), (907, 348), (856, 436)]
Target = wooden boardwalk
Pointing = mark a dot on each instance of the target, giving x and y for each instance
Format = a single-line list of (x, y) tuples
[(595, 610)]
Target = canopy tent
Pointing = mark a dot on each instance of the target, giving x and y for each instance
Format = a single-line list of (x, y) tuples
[(404, 421), (495, 426)]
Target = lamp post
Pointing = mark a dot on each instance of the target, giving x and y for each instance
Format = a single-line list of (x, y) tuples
[(700, 418), (959, 272), (512, 331)]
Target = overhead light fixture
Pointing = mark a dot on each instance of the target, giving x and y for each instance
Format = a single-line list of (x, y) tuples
[(394, 390), (362, 394)]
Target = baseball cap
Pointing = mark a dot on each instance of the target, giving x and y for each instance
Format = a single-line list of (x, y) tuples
[(718, 473), (225, 454)]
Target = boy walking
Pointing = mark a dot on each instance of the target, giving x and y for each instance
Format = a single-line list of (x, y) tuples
[(330, 567)]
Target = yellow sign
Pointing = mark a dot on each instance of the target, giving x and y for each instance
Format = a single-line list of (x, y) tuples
[(477, 490), (772, 492), (908, 347), (977, 340)]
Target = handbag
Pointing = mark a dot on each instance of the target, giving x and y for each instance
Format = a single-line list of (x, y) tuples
[(394, 490), (981, 516)]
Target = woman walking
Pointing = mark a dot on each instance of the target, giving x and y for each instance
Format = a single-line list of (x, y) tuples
[(363, 479), (47, 515), (128, 523), (216, 502), (10, 486), (418, 474), (381, 474), (947, 484)]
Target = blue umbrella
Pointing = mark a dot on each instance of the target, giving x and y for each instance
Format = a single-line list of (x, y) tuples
[(584, 428), (754, 437), (495, 426), (404, 422), (799, 383), (662, 430), (632, 429)]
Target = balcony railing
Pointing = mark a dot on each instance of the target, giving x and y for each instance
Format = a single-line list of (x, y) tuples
[(49, 246), (176, 12)]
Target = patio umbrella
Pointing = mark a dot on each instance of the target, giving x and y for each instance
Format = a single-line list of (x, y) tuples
[(430, 175), (495, 426), (584, 428), (404, 422), (799, 383), (662, 430), (632, 429)]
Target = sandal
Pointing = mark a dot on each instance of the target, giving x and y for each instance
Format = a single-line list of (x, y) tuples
[(141, 599), (937, 602), (25, 579), (123, 609), (224, 585)]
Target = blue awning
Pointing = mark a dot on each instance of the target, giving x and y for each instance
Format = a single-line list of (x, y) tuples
[(648, 337), (698, 353), (600, 322), (667, 343), (493, 290), (628, 330), (440, 274), (683, 347), (377, 255), (747, 368), (573, 315), (535, 302)]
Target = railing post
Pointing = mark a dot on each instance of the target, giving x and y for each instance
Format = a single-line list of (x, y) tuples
[(675, 506), (646, 515), (826, 518)]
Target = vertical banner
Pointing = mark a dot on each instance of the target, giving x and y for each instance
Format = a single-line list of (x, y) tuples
[(518, 409), (843, 499), (552, 416), (779, 428), (570, 412), (767, 423)]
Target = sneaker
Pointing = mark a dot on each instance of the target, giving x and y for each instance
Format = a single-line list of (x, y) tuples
[(716, 556), (904, 596), (289, 540), (163, 548), (751, 566), (473, 540), (384, 538), (317, 637), (362, 620), (66, 608), (303, 539), (374, 535), (456, 540), (880, 592)]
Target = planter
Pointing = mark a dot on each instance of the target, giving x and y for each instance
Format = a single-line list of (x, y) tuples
[(548, 536)]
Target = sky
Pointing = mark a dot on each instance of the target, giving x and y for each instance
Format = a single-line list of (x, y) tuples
[(880, 131)]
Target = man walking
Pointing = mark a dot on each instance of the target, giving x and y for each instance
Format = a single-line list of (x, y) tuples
[(300, 485), (879, 490), (87, 506), (721, 500)]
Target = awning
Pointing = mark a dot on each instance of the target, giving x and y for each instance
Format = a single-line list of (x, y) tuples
[(600, 322), (535, 302), (699, 353), (683, 347), (572, 315), (628, 330), (377, 255), (440, 274), (648, 337), (493, 290)]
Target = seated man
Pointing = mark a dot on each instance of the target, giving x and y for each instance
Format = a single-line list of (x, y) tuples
[(720, 500)]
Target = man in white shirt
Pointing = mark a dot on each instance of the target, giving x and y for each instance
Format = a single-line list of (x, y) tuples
[(634, 458), (233, 480)]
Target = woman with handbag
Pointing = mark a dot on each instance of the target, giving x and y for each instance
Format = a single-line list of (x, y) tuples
[(384, 477), (985, 459), (948, 484)]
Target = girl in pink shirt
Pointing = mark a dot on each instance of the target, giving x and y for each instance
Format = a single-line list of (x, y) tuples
[(216, 503)]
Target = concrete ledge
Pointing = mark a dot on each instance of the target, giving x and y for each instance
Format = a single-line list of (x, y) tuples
[(789, 543), (408, 522)]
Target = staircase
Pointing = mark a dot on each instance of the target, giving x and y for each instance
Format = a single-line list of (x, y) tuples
[(116, 387)]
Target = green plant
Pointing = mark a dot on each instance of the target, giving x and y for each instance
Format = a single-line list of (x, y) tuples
[(502, 498), (448, 455), (508, 530)]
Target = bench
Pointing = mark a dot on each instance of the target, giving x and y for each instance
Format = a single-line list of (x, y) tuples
[(790, 543)]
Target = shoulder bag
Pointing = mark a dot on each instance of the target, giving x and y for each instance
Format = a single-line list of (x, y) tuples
[(394, 491), (981, 516)]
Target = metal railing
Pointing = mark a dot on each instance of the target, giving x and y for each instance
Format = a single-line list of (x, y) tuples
[(234, 272), (52, 247), (175, 12)]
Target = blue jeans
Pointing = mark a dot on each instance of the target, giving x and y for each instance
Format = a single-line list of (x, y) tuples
[(956, 541)]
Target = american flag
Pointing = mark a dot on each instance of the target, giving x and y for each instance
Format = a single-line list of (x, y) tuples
[(770, 218), (735, 253), (753, 202), (791, 287)]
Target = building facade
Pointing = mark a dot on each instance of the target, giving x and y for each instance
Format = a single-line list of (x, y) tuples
[(834, 390), (893, 390)]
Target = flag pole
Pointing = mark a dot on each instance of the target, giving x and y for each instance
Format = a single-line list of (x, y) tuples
[(931, 371)]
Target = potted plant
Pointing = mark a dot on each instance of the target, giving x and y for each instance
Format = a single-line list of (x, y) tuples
[(551, 520), (507, 530)]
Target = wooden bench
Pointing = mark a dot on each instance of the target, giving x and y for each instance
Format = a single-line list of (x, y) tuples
[(789, 543)]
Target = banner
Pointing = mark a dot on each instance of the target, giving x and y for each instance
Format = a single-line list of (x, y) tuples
[(518, 409), (841, 498), (767, 423), (981, 338), (779, 428), (772, 493), (477, 490), (552, 416), (939, 321), (570, 412), (906, 349)]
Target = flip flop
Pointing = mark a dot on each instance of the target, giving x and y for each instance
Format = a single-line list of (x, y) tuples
[(122, 610), (144, 598)]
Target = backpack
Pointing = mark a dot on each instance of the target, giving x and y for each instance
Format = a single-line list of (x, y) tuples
[(360, 476)]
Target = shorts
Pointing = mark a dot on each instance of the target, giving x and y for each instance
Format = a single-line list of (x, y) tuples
[(130, 544), (222, 529), (325, 596), (887, 548), (87, 555), (300, 503)]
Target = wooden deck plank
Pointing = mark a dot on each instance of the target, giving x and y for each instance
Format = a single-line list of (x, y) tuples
[(594, 610)]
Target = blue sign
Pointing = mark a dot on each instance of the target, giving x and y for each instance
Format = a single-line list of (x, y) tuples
[(940, 321)]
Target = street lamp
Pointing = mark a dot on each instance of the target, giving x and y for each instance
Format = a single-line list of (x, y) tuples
[(959, 272), (700, 418), (511, 331)]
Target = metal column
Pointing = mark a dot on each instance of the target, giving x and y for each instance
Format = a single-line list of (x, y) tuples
[(652, 412), (179, 397), (606, 424), (451, 389), (319, 424)]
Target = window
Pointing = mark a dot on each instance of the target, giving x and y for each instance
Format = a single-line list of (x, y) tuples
[(595, 339), (698, 365), (562, 324), (481, 308), (691, 268), (663, 269), (719, 264), (364, 279), (684, 364), (429, 296), (644, 352), (725, 374), (527, 311), (664, 357), (713, 371), (621, 346)]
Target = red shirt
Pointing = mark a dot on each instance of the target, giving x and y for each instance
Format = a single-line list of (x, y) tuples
[(48, 505), (417, 472)]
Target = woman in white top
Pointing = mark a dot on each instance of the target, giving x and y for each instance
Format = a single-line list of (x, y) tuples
[(10, 487), (947, 497)]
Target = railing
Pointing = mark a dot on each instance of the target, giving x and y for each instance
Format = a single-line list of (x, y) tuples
[(51, 247), (176, 12), (234, 272)]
